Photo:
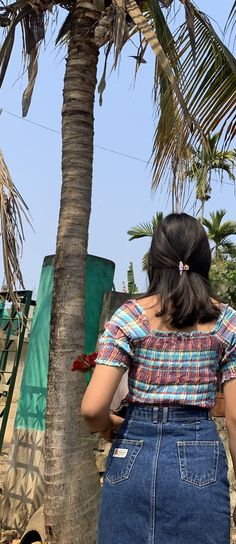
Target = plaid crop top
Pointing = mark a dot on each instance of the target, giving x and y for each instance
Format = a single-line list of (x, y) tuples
[(169, 367)]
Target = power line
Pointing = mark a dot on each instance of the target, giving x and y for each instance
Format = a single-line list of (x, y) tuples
[(58, 132), (114, 151)]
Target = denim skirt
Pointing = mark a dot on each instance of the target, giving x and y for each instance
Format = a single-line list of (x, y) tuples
[(166, 480)]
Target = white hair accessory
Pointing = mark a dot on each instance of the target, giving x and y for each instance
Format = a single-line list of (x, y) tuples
[(183, 268)]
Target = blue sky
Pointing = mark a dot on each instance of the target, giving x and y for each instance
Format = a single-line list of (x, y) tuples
[(121, 187)]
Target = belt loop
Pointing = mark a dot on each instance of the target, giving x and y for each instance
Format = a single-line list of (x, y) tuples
[(155, 414), (165, 414), (209, 414)]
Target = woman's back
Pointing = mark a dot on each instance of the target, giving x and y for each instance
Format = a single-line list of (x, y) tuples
[(169, 366)]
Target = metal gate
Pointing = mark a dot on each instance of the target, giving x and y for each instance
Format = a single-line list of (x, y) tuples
[(13, 325)]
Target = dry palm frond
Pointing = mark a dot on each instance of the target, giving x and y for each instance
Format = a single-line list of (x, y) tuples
[(64, 30), (120, 32), (12, 207), (30, 15)]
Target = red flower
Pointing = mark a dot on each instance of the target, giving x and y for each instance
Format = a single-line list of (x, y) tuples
[(83, 363)]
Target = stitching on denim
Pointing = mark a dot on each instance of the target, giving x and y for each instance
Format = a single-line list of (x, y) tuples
[(151, 532), (198, 442), (197, 430), (199, 482)]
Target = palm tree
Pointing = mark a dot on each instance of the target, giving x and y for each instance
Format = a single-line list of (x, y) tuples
[(131, 286), (194, 78), (220, 233), (145, 229), (204, 161)]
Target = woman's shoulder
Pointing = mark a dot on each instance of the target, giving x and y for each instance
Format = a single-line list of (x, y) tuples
[(129, 319), (227, 322), (228, 313), (128, 311)]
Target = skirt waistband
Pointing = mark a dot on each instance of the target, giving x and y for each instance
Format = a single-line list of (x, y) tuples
[(167, 413)]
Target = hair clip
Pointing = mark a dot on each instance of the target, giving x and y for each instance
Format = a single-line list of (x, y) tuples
[(183, 268)]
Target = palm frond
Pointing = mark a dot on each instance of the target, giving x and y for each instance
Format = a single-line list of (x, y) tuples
[(12, 208), (64, 30), (145, 261), (220, 232), (208, 83), (32, 74), (132, 287), (147, 228), (150, 36), (33, 32), (202, 161), (6, 48), (231, 21), (141, 231), (189, 15)]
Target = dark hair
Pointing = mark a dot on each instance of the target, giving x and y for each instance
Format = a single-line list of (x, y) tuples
[(186, 298)]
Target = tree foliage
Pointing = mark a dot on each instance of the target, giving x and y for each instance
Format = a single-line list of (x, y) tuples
[(223, 278), (203, 161), (144, 230), (219, 233)]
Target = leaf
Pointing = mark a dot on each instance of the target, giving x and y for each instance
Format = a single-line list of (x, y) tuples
[(65, 28), (33, 24), (208, 83), (5, 52), (12, 206), (145, 261), (147, 228), (231, 21), (8, 43), (119, 34), (132, 287), (32, 74), (190, 25), (151, 38), (102, 83), (141, 231)]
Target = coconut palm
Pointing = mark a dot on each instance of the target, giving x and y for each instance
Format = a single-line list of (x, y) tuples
[(204, 161), (220, 234), (143, 230), (194, 83)]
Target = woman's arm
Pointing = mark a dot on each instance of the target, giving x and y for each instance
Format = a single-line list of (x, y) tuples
[(95, 407), (230, 419)]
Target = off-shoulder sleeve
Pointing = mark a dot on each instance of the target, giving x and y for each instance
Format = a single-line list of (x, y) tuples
[(228, 362), (114, 346)]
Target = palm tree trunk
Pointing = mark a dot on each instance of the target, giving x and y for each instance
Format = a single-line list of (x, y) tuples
[(71, 478)]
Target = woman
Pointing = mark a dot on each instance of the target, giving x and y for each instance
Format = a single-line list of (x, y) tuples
[(166, 476)]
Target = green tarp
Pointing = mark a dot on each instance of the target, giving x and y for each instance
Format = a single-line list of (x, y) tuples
[(33, 396)]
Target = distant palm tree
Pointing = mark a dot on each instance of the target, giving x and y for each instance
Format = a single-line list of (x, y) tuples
[(205, 160), (145, 229), (131, 286), (220, 233)]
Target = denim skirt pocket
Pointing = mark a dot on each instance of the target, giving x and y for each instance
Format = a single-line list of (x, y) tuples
[(198, 461), (121, 459)]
